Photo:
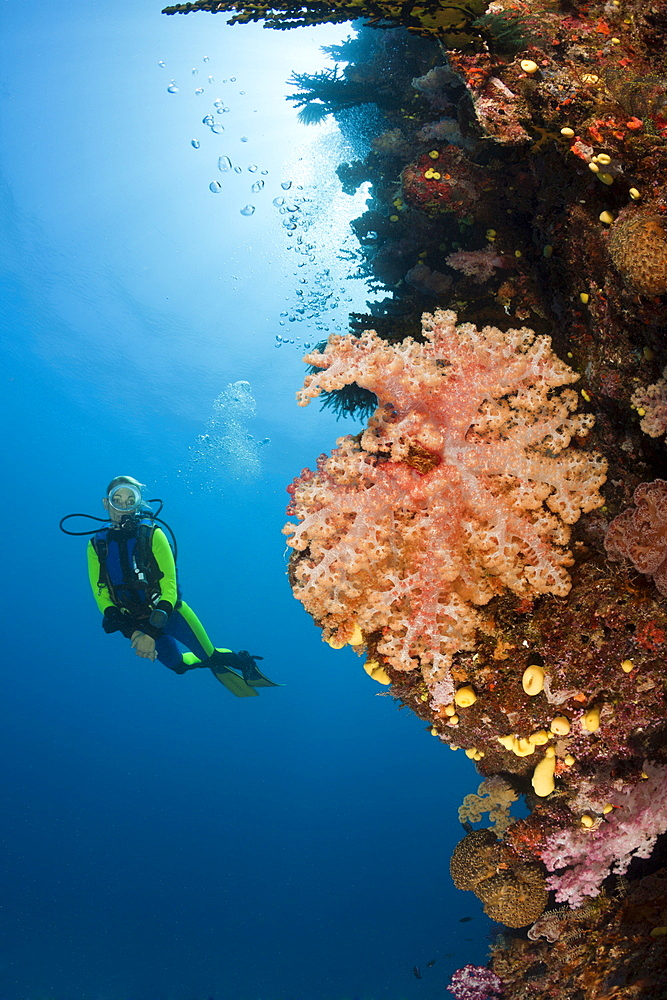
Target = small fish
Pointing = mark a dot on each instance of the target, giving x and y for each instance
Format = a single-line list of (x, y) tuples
[(415, 972), (464, 920), (429, 965), (450, 954)]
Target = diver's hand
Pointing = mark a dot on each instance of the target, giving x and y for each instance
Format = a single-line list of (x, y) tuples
[(144, 645)]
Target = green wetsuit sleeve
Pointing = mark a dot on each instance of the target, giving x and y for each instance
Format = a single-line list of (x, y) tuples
[(101, 594), (164, 557)]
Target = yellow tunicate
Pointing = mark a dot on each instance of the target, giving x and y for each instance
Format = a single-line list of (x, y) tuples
[(584, 395), (453, 720), (393, 218), (336, 643), (590, 721), (641, 411), (659, 932), (604, 158), (547, 250), (590, 78), (634, 194), (471, 752), (569, 760), (523, 748), (587, 821), (528, 66), (491, 234), (608, 808), (560, 725), (539, 738), (428, 174), (594, 167), (377, 672), (356, 639), (567, 132), (543, 777), (606, 178), (507, 741), (436, 176), (648, 354), (434, 732), (423, 697), (549, 752), (465, 696), (533, 679), (478, 755), (615, 41), (517, 253), (452, 747), (584, 297), (450, 710), (606, 217), (627, 666), (434, 154)]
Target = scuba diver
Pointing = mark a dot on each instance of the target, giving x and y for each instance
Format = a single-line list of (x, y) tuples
[(132, 572)]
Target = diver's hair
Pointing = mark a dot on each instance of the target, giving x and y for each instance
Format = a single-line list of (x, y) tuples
[(124, 481)]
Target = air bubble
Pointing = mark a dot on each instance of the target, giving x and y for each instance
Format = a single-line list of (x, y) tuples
[(238, 170), (199, 90), (195, 143), (257, 187), (232, 79), (248, 210), (195, 71), (289, 225), (217, 128), (264, 173), (215, 187), (244, 138), (208, 120), (242, 93), (211, 79), (205, 59), (162, 65), (278, 202), (173, 88), (252, 169), (286, 185), (224, 164)]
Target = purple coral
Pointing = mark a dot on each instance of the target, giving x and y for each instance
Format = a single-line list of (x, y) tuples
[(640, 533), (475, 982)]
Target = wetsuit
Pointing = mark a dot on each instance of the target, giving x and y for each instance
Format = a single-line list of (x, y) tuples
[(130, 579)]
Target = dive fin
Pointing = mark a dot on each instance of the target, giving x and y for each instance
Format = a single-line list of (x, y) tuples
[(233, 682), (255, 678), (252, 674)]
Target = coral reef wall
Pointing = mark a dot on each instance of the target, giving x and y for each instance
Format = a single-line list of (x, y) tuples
[(492, 542)]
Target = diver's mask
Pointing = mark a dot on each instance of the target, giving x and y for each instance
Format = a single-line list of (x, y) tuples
[(126, 499)]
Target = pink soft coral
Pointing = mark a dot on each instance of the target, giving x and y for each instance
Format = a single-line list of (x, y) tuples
[(475, 982), (640, 533), (461, 486), (651, 403), (639, 817)]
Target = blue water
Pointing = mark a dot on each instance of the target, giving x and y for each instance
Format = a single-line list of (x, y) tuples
[(160, 839)]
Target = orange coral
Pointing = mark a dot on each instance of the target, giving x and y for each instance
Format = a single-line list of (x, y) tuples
[(638, 248)]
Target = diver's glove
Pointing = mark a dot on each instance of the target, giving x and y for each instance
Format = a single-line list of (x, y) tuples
[(113, 620)]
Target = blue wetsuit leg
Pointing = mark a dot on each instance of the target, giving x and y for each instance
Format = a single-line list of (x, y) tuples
[(177, 630)]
